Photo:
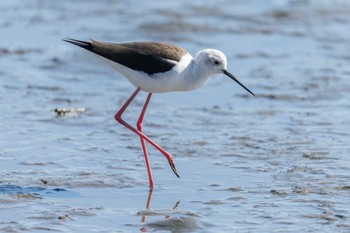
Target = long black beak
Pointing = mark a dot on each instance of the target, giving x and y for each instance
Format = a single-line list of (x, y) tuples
[(236, 80)]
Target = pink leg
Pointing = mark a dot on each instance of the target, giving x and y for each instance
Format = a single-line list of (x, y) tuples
[(118, 117), (143, 143)]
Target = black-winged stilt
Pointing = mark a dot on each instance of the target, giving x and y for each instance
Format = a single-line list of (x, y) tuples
[(157, 67)]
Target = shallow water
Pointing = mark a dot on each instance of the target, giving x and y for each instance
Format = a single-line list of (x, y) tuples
[(277, 162)]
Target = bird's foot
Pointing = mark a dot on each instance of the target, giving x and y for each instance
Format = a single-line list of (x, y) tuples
[(172, 165)]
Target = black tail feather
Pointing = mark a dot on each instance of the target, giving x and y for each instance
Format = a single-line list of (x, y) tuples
[(80, 43)]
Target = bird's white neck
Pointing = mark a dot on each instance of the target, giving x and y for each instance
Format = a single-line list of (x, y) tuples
[(195, 74)]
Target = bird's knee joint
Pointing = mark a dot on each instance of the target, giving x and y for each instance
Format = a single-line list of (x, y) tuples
[(139, 126), (118, 118)]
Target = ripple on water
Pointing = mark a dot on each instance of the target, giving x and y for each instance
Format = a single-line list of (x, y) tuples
[(11, 191)]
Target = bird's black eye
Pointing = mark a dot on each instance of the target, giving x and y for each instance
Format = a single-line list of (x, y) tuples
[(216, 62)]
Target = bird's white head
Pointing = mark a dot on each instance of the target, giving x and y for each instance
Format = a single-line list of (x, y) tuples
[(212, 61)]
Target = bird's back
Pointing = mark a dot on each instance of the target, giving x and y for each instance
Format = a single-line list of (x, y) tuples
[(148, 57)]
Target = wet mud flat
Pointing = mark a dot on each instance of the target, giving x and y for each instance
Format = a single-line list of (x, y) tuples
[(278, 162)]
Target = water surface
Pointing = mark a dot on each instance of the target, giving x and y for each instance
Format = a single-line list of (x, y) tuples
[(277, 162)]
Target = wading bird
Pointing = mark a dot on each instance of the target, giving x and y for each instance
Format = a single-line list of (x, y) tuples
[(157, 67)]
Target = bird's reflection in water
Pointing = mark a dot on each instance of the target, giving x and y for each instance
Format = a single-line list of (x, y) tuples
[(148, 204), (148, 212)]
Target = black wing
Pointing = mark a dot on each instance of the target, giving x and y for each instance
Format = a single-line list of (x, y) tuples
[(149, 57)]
